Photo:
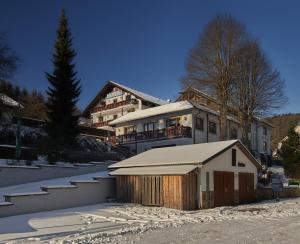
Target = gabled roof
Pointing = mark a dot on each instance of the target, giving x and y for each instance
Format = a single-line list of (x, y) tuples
[(8, 101), (138, 94), (164, 109), (194, 154)]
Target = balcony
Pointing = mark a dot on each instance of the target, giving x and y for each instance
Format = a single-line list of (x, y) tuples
[(162, 134), (102, 123), (114, 105)]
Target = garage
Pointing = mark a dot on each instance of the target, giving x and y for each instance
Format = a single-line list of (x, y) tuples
[(224, 188), (188, 177), (246, 187)]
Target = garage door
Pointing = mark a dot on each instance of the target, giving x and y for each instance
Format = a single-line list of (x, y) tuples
[(152, 190), (223, 188), (246, 187)]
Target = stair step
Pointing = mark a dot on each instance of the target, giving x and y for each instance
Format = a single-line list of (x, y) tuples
[(83, 182), (6, 204), (45, 188)]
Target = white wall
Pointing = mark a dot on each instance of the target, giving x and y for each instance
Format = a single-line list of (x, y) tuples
[(223, 163)]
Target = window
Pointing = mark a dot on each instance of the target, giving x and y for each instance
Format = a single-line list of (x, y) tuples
[(115, 116), (129, 130), (265, 130), (265, 146), (150, 126), (199, 124), (128, 97), (172, 122), (212, 127), (233, 133), (233, 157), (115, 100)]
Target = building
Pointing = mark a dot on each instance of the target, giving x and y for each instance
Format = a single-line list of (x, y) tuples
[(189, 177), (259, 133), (8, 107), (115, 100), (180, 123)]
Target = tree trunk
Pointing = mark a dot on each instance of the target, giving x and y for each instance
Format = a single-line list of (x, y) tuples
[(223, 123)]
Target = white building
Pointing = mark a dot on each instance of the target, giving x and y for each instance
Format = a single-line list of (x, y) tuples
[(183, 123), (115, 100)]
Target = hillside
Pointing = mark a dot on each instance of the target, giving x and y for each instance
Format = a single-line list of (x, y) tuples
[(282, 124)]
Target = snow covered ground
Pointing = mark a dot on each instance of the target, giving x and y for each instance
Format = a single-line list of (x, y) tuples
[(266, 222), (35, 186)]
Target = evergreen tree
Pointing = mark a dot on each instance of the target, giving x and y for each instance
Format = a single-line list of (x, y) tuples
[(291, 153), (63, 92)]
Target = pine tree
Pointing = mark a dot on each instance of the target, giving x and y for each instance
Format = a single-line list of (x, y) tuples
[(63, 92), (291, 153)]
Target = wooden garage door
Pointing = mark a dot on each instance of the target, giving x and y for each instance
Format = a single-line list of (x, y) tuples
[(246, 187), (223, 188), (152, 190)]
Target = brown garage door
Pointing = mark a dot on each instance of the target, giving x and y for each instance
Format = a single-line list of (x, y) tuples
[(223, 188), (246, 187)]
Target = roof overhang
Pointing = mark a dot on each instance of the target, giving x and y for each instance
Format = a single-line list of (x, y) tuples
[(155, 170)]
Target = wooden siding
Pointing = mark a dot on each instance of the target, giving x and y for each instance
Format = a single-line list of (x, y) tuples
[(172, 191)]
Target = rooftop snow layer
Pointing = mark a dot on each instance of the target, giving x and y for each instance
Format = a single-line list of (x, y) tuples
[(187, 154), (8, 101), (142, 95), (145, 113)]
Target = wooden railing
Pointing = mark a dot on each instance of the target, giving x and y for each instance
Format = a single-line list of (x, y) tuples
[(114, 105), (166, 133), (103, 123)]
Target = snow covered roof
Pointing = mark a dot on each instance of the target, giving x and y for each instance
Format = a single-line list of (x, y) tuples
[(141, 95), (145, 113), (164, 109), (138, 94), (6, 100), (194, 154), (156, 170)]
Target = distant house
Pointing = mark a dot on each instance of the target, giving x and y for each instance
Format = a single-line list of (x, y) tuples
[(115, 100), (180, 123), (276, 152), (8, 107), (189, 177)]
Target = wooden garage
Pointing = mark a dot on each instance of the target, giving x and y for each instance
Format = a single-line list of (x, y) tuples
[(188, 177)]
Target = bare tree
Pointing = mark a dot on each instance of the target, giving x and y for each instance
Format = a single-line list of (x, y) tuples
[(8, 60), (258, 87), (212, 62)]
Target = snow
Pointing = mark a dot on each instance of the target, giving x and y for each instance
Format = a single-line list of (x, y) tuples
[(145, 113), (36, 186), (142, 95), (121, 223), (9, 101)]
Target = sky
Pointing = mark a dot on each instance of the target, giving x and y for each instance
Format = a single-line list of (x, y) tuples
[(141, 43)]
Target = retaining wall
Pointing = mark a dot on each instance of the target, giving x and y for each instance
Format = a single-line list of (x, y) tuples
[(267, 193), (79, 193), (15, 175)]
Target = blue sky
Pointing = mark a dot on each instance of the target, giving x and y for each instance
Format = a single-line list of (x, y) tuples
[(141, 43)]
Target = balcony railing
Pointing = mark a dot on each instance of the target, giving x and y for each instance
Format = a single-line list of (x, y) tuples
[(166, 133), (114, 105), (103, 123)]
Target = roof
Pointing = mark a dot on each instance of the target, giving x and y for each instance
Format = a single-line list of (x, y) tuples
[(138, 94), (6, 100), (156, 170), (194, 154), (164, 109), (149, 112)]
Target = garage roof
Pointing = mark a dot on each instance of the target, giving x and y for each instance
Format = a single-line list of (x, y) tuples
[(182, 155), (156, 170)]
